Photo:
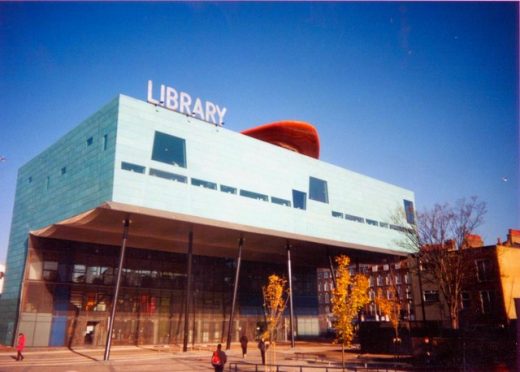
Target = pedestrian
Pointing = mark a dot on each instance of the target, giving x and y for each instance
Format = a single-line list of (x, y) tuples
[(243, 344), (219, 359), (263, 347), (20, 346)]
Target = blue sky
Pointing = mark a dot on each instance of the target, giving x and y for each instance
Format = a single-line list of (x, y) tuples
[(421, 95)]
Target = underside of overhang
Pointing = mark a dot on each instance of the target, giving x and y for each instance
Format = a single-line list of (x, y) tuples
[(167, 231)]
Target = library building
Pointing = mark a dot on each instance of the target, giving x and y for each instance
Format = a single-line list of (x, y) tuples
[(151, 223)]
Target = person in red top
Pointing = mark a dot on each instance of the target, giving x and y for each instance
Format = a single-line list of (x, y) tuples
[(20, 346)]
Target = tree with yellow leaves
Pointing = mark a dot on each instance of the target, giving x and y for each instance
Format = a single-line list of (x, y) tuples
[(391, 308), (275, 300), (349, 296)]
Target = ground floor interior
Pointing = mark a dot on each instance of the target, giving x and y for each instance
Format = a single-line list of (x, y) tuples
[(68, 292)]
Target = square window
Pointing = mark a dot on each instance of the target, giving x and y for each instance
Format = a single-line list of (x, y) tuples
[(318, 190), (169, 149), (90, 141), (63, 170)]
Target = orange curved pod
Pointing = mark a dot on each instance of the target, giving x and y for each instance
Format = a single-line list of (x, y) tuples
[(293, 135)]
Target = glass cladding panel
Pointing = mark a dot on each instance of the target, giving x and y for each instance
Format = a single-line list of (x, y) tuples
[(299, 199), (318, 190), (337, 214), (132, 167), (169, 149)]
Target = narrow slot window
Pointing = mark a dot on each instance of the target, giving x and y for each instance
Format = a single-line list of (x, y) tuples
[(205, 184), (254, 195), (280, 201), (132, 167), (228, 189), (168, 175)]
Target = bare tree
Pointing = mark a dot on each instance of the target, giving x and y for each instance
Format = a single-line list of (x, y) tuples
[(438, 239)]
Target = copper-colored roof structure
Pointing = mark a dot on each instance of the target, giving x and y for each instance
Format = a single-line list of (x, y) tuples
[(293, 135)]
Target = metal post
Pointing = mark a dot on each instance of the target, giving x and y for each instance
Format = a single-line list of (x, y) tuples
[(418, 263), (235, 290), (126, 224), (290, 293), (332, 272), (187, 307)]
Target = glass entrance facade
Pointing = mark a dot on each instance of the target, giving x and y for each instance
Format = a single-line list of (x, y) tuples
[(69, 286)]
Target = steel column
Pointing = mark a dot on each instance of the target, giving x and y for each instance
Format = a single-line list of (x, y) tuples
[(235, 290), (126, 224), (290, 293), (332, 272), (187, 308)]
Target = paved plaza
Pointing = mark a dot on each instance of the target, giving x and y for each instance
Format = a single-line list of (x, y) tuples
[(312, 357)]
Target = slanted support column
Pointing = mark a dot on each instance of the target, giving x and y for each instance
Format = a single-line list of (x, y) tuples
[(187, 307), (235, 291), (126, 224), (290, 293), (332, 271)]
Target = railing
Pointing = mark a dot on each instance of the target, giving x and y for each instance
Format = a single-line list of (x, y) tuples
[(250, 367)]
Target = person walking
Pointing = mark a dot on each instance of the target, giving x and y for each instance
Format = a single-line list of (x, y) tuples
[(243, 344), (219, 359), (263, 347), (20, 346)]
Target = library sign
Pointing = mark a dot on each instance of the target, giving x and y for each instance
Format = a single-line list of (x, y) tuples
[(182, 102)]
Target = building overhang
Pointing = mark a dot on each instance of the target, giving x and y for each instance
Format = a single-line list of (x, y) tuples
[(168, 231)]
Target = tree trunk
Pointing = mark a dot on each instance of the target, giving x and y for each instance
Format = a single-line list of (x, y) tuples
[(343, 355)]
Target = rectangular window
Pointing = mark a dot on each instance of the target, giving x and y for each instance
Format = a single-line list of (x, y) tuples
[(50, 270), (169, 149), (63, 170), (132, 167), (90, 141), (372, 222), (318, 190), (280, 201), (483, 270), (105, 142), (29, 179), (354, 218), (397, 228), (465, 300), (205, 184), (48, 183), (78, 274), (431, 296), (254, 195), (337, 214), (168, 175), (228, 189), (299, 199), (486, 301), (410, 213)]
